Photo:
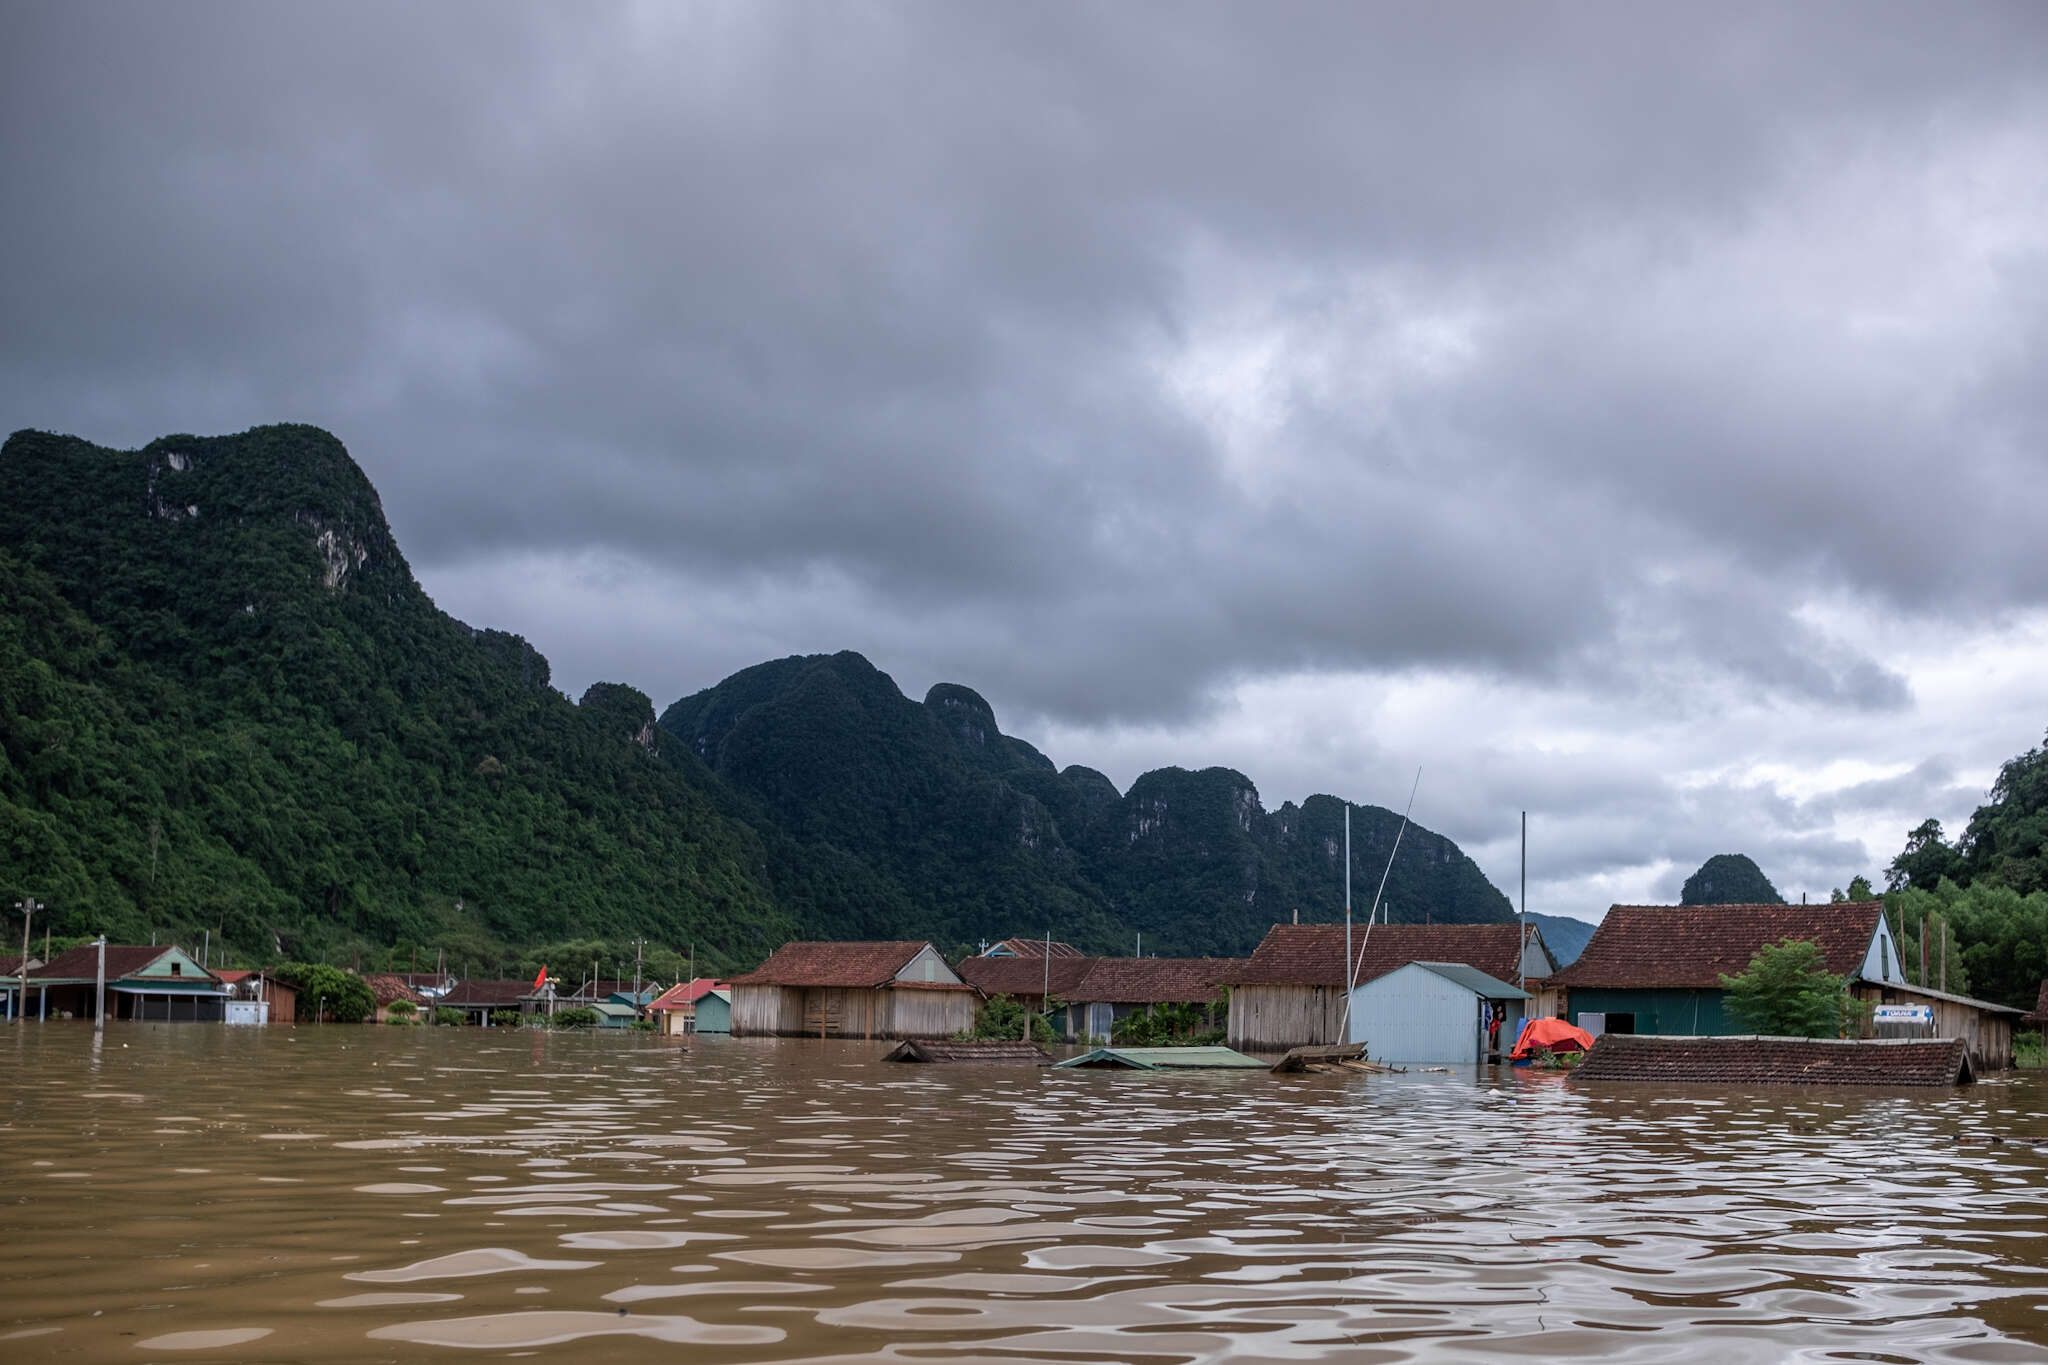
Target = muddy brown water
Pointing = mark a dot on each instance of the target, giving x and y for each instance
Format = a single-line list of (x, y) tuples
[(194, 1192)]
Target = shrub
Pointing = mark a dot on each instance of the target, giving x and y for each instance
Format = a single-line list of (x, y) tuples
[(2029, 1050), (447, 1014), (1002, 1021), (403, 1008), (505, 1018), (580, 1017), (338, 996), (1788, 992)]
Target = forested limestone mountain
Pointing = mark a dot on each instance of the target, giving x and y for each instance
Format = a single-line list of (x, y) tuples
[(1729, 879), (984, 837), (226, 703)]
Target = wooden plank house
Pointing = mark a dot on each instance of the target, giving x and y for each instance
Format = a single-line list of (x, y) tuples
[(898, 989), (142, 982), (1290, 992)]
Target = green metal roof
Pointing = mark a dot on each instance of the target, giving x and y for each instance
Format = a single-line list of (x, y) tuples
[(1163, 1058), (1474, 980)]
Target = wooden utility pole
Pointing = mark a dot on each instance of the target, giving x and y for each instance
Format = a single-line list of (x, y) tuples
[(99, 990), (28, 907)]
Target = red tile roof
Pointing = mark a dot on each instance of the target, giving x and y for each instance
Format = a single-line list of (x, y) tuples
[(687, 993), (82, 963), (11, 966), (1690, 947), (486, 994), (230, 976), (1313, 954), (390, 989), (1156, 980), (1016, 976), (1775, 1061), (852, 965), (1036, 947), (2040, 1014)]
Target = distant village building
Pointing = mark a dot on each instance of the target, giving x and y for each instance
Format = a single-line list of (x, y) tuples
[(1290, 992), (142, 983), (10, 985), (479, 1000), (700, 1006), (389, 989), (272, 1000), (899, 989), (1435, 1014)]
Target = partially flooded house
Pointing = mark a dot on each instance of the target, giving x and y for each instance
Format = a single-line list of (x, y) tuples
[(895, 989), (1117, 987), (1658, 968), (1030, 981), (1290, 992), (144, 983)]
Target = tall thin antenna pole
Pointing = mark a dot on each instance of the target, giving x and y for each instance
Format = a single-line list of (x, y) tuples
[(1351, 970), (1523, 956), (1345, 975)]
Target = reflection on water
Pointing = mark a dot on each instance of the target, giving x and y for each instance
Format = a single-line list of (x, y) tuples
[(353, 1194)]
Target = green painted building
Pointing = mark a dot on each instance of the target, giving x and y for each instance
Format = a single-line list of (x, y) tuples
[(1657, 969)]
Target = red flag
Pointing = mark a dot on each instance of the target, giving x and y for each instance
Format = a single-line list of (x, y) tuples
[(540, 981)]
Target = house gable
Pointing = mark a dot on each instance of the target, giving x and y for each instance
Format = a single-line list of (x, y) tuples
[(928, 968)]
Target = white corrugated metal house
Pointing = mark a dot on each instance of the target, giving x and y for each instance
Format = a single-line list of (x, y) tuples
[(1434, 1014)]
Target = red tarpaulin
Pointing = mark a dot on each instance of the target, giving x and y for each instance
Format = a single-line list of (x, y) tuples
[(1554, 1035)]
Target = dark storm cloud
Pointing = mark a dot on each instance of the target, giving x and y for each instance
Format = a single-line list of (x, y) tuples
[(1099, 356)]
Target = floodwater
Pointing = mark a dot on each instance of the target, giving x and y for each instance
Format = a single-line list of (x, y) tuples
[(195, 1192)]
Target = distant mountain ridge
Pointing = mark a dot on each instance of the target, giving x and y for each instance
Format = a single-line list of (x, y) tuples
[(225, 702), (984, 836)]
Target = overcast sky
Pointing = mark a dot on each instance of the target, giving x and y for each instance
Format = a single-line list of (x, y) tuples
[(1632, 414)]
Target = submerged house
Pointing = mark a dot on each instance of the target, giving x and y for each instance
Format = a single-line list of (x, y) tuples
[(1116, 987), (1290, 992), (144, 983), (389, 989), (1435, 1014), (700, 1006), (896, 989), (1657, 969), (479, 1000), (1027, 980)]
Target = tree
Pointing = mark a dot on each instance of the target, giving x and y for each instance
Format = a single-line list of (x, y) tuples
[(1860, 889), (1788, 992), (1924, 861), (329, 993), (1729, 879)]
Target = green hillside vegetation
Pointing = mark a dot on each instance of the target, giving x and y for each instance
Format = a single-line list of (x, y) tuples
[(226, 705), (1987, 892)]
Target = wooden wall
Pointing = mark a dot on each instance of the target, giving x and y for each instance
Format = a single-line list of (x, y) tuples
[(1987, 1035), (1276, 1018), (840, 1012)]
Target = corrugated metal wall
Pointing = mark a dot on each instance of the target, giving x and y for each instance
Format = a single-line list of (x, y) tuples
[(1413, 1017)]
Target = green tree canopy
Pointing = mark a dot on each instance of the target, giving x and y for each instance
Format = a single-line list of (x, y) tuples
[(339, 996), (1729, 879), (1924, 861), (1788, 992)]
